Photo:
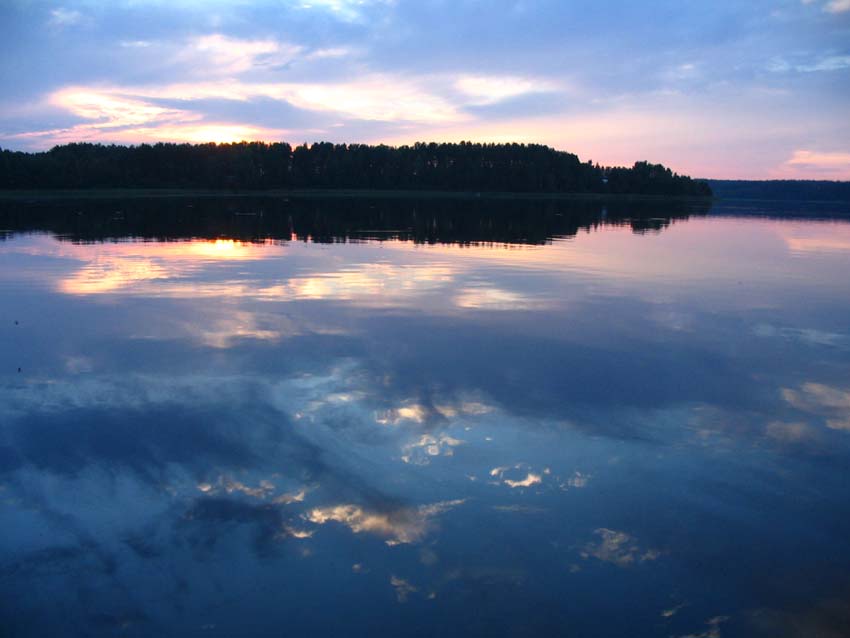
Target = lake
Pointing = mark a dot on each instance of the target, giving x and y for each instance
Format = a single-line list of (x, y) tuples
[(359, 417)]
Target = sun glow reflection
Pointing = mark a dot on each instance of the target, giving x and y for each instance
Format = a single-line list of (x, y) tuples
[(127, 266)]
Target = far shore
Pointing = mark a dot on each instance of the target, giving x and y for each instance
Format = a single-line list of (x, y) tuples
[(119, 193), (177, 193)]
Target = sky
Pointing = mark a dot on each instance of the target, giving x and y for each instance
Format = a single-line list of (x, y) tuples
[(754, 89)]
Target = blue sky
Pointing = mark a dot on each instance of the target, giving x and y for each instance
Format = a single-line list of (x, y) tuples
[(746, 89)]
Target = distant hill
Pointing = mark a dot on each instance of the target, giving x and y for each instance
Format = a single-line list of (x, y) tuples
[(781, 190), (466, 166)]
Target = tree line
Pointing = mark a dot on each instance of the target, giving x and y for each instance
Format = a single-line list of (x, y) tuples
[(465, 166), (327, 219), (782, 190)]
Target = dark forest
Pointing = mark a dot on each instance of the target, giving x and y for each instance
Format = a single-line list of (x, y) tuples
[(466, 166)]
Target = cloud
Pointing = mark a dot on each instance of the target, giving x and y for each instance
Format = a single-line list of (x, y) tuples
[(618, 548), (713, 630), (837, 6), (829, 402), (818, 396), (792, 433), (346, 10), (828, 63), (523, 478), (429, 446), (225, 55), (118, 117), (134, 114), (403, 588), (528, 481), (809, 336), (834, 165), (418, 413), (578, 480), (401, 526), (114, 110), (384, 71), (485, 90), (492, 298), (61, 17)]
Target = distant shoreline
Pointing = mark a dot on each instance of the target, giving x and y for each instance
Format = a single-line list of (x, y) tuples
[(154, 193), (180, 193)]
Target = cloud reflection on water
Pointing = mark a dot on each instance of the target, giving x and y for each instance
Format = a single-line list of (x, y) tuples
[(229, 422)]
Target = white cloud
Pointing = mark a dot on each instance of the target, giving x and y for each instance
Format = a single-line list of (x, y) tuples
[(112, 110), (828, 63), (224, 55), (375, 98), (62, 17), (346, 10), (837, 6), (528, 481), (484, 90), (491, 298)]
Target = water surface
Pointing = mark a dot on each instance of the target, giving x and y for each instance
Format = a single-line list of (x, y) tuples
[(243, 417)]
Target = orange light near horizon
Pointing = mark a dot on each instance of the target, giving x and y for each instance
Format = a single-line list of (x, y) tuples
[(126, 267), (216, 133)]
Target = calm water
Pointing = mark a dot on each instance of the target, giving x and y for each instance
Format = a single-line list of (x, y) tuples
[(342, 418)]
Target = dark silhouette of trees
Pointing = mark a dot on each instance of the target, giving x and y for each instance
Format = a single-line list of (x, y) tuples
[(328, 219), (782, 190), (467, 166)]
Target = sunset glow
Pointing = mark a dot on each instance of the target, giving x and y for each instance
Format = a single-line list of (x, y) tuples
[(766, 103)]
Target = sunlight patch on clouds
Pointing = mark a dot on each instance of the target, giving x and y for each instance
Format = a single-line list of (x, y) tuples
[(219, 133), (226, 55), (131, 114), (117, 116), (264, 490), (418, 413), (485, 90), (396, 527), (526, 478), (429, 446), (528, 481), (818, 165), (128, 267), (110, 275), (494, 299), (229, 331), (169, 269), (370, 98), (820, 160), (114, 110)]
